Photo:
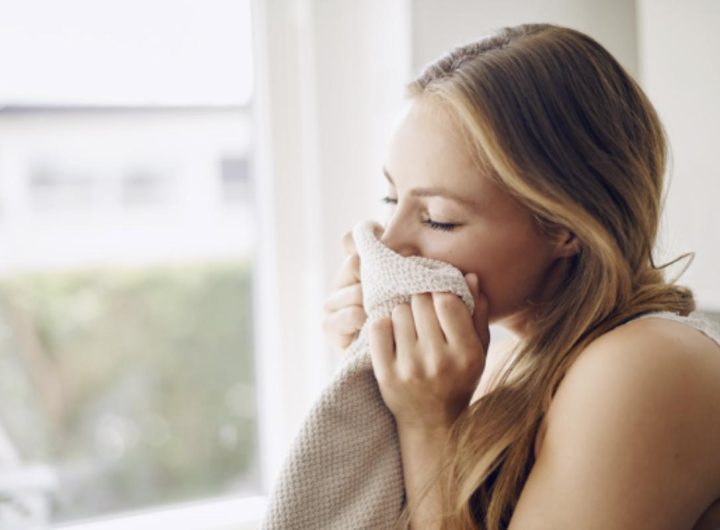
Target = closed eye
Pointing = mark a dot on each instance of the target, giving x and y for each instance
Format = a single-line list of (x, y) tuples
[(446, 227), (438, 226)]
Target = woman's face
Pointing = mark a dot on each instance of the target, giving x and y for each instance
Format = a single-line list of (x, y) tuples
[(482, 230)]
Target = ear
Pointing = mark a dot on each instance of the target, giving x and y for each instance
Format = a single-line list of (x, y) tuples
[(567, 244)]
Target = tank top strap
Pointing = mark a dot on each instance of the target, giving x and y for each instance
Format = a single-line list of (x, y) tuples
[(694, 319)]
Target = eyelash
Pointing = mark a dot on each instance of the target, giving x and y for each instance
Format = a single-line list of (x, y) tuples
[(446, 227)]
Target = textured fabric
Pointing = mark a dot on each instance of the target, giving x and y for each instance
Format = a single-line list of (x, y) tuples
[(344, 470), (709, 328)]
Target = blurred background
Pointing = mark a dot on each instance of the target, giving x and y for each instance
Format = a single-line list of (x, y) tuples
[(175, 178)]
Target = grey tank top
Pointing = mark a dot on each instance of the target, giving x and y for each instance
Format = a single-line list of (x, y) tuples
[(694, 319)]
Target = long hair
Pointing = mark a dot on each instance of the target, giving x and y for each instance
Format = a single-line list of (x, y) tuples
[(557, 122)]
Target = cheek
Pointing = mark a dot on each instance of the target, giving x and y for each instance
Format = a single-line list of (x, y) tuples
[(509, 269), (509, 285)]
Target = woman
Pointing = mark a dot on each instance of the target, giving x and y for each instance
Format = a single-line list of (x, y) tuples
[(534, 163)]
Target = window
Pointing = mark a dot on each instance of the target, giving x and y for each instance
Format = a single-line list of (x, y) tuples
[(235, 179), (145, 186), (211, 205), (52, 189), (126, 288)]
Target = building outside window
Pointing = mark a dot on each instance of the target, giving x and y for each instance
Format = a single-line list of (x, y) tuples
[(127, 244)]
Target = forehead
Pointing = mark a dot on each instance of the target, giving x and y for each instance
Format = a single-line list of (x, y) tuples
[(427, 148)]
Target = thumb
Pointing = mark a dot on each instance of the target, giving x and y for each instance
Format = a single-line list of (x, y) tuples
[(480, 315)]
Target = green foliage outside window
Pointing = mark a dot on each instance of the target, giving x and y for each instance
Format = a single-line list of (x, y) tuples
[(136, 387)]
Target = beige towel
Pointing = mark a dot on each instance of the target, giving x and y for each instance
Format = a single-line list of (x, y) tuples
[(343, 470)]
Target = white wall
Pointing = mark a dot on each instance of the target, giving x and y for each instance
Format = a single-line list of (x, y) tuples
[(439, 25), (125, 52), (680, 69)]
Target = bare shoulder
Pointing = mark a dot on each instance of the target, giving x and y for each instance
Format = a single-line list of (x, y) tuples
[(669, 369), (656, 355), (658, 334), (631, 436)]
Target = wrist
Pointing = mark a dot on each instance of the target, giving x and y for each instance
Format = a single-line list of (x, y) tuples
[(425, 433), (422, 449)]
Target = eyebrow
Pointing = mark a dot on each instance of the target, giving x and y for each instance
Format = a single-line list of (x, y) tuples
[(436, 192)]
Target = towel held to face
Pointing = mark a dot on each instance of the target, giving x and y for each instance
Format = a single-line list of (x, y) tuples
[(344, 469)]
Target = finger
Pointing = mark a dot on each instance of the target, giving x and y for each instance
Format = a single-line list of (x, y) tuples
[(341, 342), (426, 321), (403, 325), (348, 243), (406, 362), (349, 272), (348, 240), (454, 318), (481, 314), (345, 321), (380, 340), (344, 297), (378, 230)]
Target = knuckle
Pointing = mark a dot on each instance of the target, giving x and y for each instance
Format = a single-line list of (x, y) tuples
[(354, 261), (471, 366), (347, 239), (344, 341), (439, 367), (420, 297), (347, 260), (447, 302), (410, 373), (385, 377), (399, 310), (471, 358), (357, 315), (465, 363)]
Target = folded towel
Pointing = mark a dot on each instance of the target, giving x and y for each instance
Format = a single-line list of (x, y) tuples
[(344, 470)]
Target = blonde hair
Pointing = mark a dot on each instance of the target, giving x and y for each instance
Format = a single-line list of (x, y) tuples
[(557, 122)]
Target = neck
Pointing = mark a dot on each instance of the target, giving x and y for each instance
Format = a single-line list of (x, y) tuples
[(519, 322)]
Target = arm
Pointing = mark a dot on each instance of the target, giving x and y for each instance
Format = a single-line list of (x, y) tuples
[(421, 451), (628, 443)]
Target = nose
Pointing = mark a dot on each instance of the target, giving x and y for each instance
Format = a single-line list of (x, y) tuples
[(397, 237)]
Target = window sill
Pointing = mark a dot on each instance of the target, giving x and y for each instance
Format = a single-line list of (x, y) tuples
[(244, 513)]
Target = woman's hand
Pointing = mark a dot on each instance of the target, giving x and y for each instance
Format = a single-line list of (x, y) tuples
[(344, 310), (429, 355)]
